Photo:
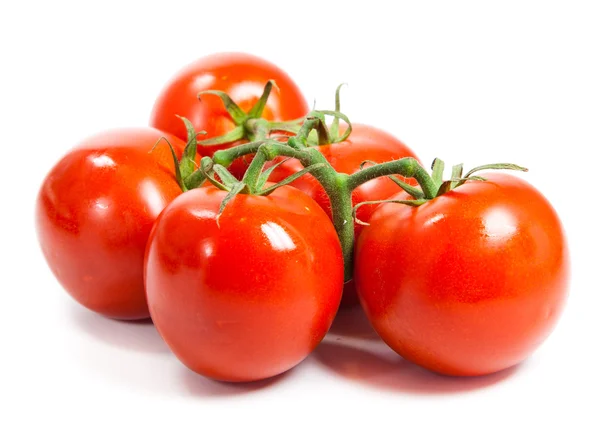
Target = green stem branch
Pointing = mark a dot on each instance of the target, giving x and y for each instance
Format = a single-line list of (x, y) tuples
[(226, 156), (407, 167), (338, 186)]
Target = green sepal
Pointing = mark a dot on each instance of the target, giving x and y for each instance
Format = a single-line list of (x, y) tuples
[(237, 114), (335, 125), (264, 176), (207, 169), (415, 202), (226, 177), (194, 180), (315, 121), (289, 179), (444, 188), (500, 166), (336, 137), (259, 106), (187, 165), (415, 192), (235, 134), (457, 171), (225, 158), (455, 183), (238, 188), (437, 173), (178, 177), (292, 126)]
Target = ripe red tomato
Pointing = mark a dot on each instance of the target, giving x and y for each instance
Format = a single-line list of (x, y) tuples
[(366, 143), (248, 297), (468, 283), (95, 211), (240, 75)]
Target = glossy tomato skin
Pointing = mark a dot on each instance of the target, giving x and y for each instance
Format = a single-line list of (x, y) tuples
[(240, 75), (366, 143), (469, 283), (247, 298), (94, 213)]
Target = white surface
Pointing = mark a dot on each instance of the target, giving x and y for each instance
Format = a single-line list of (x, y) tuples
[(518, 81)]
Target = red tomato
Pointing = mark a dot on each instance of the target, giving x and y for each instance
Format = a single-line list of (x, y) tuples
[(240, 75), (365, 143), (248, 297), (469, 283), (95, 211)]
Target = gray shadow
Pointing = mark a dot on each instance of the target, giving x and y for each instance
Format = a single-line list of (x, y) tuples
[(137, 335), (374, 364)]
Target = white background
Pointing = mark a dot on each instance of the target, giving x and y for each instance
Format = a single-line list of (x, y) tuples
[(470, 82)]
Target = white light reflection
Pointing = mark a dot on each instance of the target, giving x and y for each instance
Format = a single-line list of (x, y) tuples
[(102, 161), (207, 247), (203, 213), (101, 204), (277, 236), (433, 220), (155, 201), (499, 224), (204, 81)]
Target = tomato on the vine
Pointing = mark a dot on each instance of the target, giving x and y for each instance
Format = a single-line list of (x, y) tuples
[(242, 77), (95, 210), (470, 282), (366, 143), (250, 293)]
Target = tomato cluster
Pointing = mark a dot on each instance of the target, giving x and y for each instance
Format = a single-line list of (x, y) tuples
[(243, 253)]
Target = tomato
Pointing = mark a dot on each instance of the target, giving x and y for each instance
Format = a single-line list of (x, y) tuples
[(240, 75), (366, 143), (468, 283), (95, 210), (247, 297)]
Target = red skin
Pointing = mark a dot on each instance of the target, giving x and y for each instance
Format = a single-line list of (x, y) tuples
[(469, 283), (248, 298), (95, 210), (366, 143), (240, 75)]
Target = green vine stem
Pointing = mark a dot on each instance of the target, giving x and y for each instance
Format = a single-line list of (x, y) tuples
[(337, 186), (407, 167)]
